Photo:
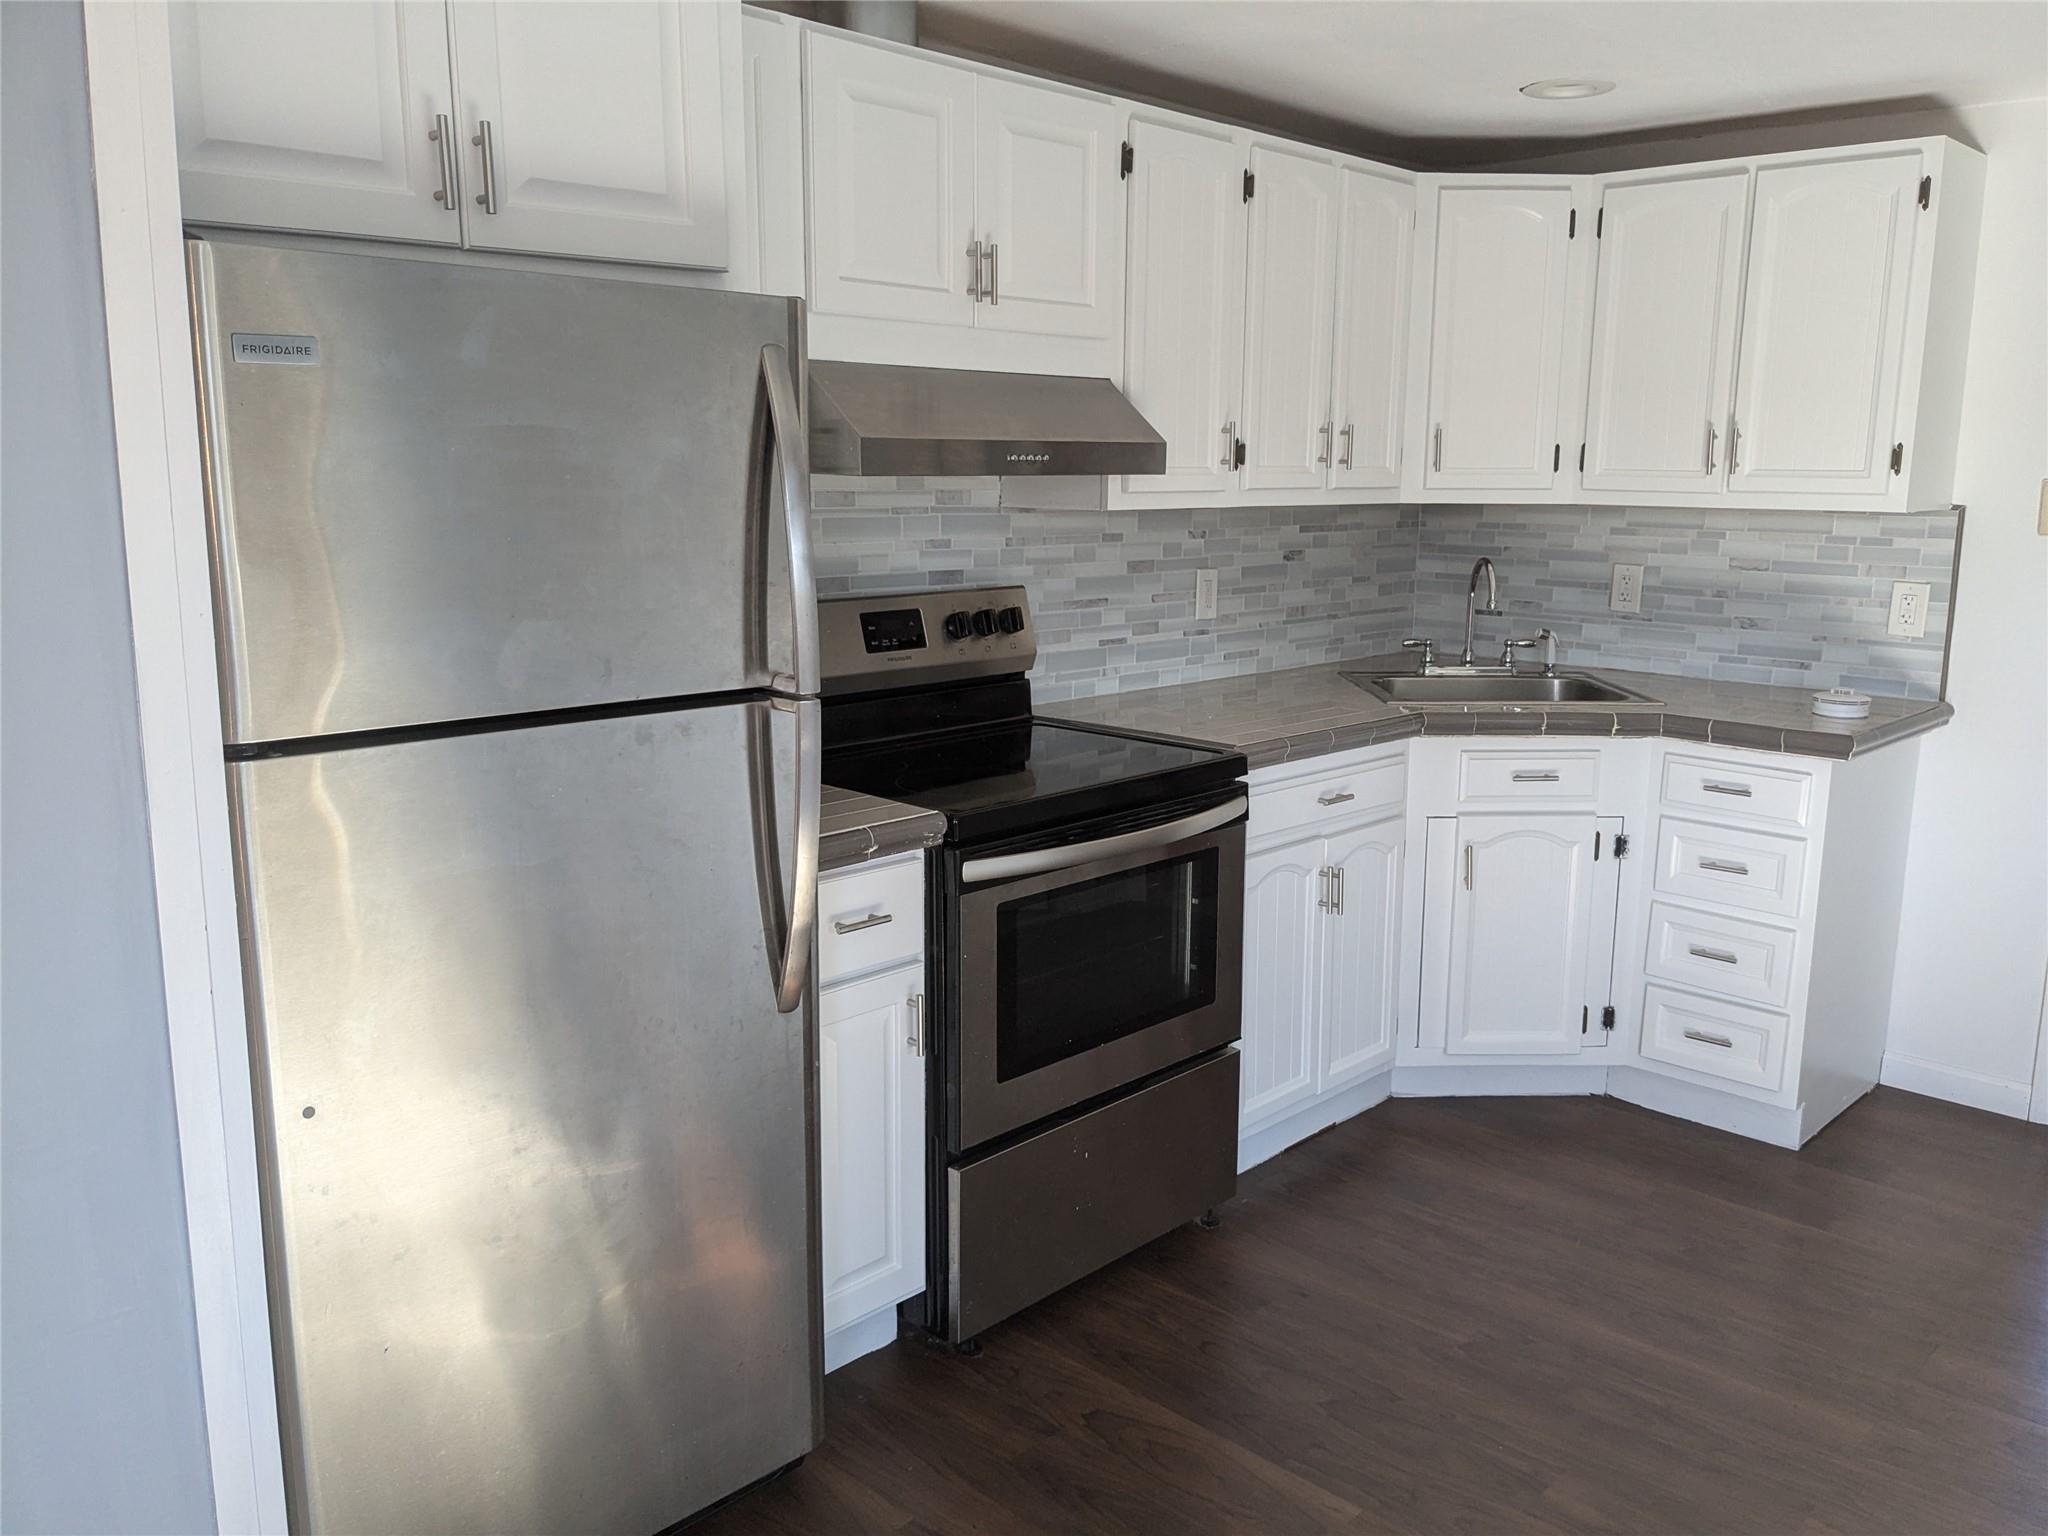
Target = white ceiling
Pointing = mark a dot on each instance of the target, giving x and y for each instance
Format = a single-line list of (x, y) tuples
[(1433, 70)]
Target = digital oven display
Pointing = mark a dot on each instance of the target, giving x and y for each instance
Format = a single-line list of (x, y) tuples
[(896, 629)]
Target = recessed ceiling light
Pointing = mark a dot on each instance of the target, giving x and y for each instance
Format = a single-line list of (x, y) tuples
[(1566, 90)]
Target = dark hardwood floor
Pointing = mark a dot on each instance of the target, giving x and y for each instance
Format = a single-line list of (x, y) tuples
[(1506, 1315)]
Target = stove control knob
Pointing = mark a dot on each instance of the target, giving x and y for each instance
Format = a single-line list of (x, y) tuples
[(1010, 620), (958, 626), (984, 621)]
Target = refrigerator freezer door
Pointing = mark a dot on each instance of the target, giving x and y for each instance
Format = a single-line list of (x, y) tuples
[(539, 1145), (442, 492)]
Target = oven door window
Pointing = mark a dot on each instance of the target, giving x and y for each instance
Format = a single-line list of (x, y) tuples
[(1091, 962)]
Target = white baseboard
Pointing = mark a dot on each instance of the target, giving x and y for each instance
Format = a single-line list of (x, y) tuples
[(1254, 1148), (1484, 1082), (1706, 1106), (1955, 1085), (862, 1336)]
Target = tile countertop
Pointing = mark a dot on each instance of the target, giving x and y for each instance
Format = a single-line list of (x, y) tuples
[(855, 828), (1306, 711)]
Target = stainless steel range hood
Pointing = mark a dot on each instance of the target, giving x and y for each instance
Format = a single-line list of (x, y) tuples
[(868, 419)]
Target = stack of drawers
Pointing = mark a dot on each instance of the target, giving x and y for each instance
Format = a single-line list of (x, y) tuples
[(1731, 916)]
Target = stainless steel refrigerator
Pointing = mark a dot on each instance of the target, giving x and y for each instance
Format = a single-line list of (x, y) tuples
[(518, 658)]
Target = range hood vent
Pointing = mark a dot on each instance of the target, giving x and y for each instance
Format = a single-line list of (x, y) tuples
[(869, 419)]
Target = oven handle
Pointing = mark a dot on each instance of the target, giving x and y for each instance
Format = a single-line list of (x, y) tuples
[(1039, 861)]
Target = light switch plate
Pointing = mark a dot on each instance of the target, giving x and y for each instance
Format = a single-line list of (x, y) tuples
[(1625, 595), (1205, 594), (1909, 610)]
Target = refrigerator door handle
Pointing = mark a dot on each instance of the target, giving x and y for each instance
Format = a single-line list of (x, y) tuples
[(791, 919), (792, 452)]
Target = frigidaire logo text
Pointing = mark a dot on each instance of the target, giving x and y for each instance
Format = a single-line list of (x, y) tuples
[(1030, 458), (300, 351)]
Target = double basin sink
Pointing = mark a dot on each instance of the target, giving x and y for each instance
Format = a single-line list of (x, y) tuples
[(1485, 685)]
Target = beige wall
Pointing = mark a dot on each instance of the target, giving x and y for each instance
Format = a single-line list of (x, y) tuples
[(1967, 1005)]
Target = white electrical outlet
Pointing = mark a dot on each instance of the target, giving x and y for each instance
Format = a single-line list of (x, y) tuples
[(1909, 610), (1625, 594), (1205, 594)]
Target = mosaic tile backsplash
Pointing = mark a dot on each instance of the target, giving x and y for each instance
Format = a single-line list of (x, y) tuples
[(1113, 593), (1791, 598), (1794, 598)]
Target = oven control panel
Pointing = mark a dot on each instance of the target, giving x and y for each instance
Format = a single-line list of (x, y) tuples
[(913, 639)]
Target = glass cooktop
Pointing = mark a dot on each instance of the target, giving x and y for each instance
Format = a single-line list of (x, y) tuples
[(1032, 766)]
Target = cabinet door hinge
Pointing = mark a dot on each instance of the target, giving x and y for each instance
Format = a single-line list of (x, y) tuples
[(1556, 456), (1130, 160), (1621, 845), (1607, 1017), (1250, 183), (1600, 222), (1898, 457), (1926, 190), (1571, 230)]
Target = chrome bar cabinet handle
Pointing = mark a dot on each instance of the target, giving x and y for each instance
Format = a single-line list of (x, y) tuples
[(1720, 956), (1344, 460), (1325, 432), (488, 155), (1724, 867), (1436, 452), (915, 1003), (442, 136), (993, 289), (1323, 885), (1468, 866), (1705, 1039), (1337, 901), (974, 270), (872, 920), (1741, 791), (1335, 797), (1530, 776), (1229, 459), (1734, 445)]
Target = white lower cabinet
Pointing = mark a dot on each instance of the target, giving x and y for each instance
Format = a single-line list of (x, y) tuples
[(1322, 947), (871, 1100), (871, 1143), (1521, 900)]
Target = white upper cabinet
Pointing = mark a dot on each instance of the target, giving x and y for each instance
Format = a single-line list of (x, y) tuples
[(1369, 383), (772, 112), (596, 130), (1046, 185), (1824, 326), (892, 185), (1522, 888), (1184, 304), (1290, 296), (1500, 282), (1667, 286), (317, 117)]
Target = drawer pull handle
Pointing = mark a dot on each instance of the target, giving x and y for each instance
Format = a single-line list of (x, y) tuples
[(1721, 955), (1335, 797), (1743, 791), (1706, 1039), (1724, 866), (1532, 777), (872, 920)]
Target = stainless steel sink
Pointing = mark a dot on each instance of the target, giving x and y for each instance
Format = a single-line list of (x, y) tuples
[(1492, 688)]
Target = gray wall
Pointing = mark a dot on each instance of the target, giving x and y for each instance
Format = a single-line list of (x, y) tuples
[(100, 1416)]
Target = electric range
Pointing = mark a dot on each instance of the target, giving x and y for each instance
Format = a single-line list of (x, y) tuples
[(1085, 913)]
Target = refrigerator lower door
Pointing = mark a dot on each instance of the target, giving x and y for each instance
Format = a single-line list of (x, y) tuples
[(441, 492), (542, 1216)]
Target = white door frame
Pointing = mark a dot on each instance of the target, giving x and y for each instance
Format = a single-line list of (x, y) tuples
[(163, 517)]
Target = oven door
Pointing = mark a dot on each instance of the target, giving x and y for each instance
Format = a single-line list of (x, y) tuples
[(1088, 966)]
